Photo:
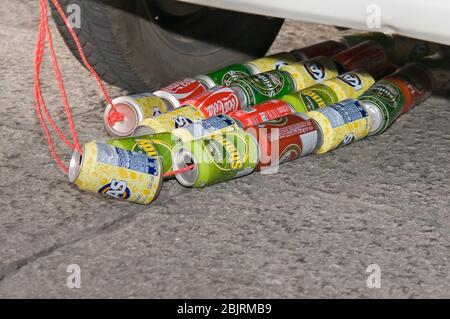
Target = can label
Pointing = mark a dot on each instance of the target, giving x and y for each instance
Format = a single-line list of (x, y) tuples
[(311, 72), (341, 124), (223, 157), (156, 145), (284, 139), (119, 173), (326, 49), (182, 90), (214, 125), (151, 105), (225, 76), (273, 62), (265, 86), (369, 56), (173, 119), (216, 101), (263, 112)]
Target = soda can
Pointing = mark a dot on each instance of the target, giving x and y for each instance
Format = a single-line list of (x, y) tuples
[(263, 112), (412, 50), (211, 126), (285, 139), (341, 124), (217, 158), (395, 95), (216, 101), (349, 85), (269, 63), (134, 108), (385, 40), (181, 91), (326, 49), (224, 76), (169, 121), (308, 73), (157, 145), (369, 56), (262, 87), (117, 173)]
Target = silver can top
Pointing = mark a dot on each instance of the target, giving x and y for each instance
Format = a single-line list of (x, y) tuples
[(76, 163), (205, 80), (180, 159), (375, 116), (132, 117)]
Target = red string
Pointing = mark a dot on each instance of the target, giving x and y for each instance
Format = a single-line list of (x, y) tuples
[(41, 108), (180, 171)]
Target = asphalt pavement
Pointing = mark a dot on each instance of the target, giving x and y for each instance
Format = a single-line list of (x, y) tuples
[(312, 230)]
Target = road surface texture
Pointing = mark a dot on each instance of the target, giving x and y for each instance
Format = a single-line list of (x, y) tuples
[(311, 230)]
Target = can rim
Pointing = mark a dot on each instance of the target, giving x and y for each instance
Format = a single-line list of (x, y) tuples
[(206, 79), (375, 116), (120, 102), (142, 130), (75, 165), (168, 97)]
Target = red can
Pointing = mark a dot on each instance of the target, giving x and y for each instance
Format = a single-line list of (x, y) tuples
[(285, 139), (369, 56), (216, 101), (263, 112), (327, 49), (181, 91)]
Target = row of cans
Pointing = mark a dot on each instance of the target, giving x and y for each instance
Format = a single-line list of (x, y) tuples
[(248, 84), (225, 147)]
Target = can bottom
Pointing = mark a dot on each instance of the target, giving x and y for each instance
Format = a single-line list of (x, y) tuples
[(181, 159)]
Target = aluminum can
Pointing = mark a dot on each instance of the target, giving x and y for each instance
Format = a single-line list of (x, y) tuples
[(117, 173), (326, 49), (263, 112), (285, 139), (181, 91), (217, 158), (224, 76), (272, 62), (134, 108), (216, 101), (345, 86), (341, 124)]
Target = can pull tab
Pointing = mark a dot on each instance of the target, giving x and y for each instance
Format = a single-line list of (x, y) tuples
[(45, 35)]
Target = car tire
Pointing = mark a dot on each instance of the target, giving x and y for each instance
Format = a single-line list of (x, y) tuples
[(137, 46)]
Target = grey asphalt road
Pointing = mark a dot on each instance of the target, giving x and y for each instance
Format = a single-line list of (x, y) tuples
[(309, 231)]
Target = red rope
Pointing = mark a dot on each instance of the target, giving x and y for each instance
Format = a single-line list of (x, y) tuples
[(179, 171), (41, 108)]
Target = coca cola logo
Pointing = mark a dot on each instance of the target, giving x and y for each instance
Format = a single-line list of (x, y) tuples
[(220, 103), (180, 85)]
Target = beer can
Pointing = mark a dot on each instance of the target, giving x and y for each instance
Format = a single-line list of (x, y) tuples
[(157, 145), (263, 112), (117, 173), (308, 73), (272, 62), (134, 108), (217, 158), (181, 91), (216, 101), (169, 121), (211, 126), (326, 49), (285, 139), (224, 76), (412, 50), (349, 85), (385, 40), (341, 124), (396, 94), (262, 87), (369, 56)]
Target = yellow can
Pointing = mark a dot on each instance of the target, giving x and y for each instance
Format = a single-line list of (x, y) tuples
[(170, 121), (350, 85), (308, 73), (116, 172), (341, 124), (272, 62)]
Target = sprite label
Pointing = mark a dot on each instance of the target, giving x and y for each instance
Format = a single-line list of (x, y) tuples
[(265, 86), (227, 75)]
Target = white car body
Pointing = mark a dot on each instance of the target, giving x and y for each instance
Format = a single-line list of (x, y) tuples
[(421, 19)]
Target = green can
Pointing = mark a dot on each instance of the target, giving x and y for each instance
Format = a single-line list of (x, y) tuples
[(156, 145), (217, 158), (318, 96), (225, 76), (263, 87)]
